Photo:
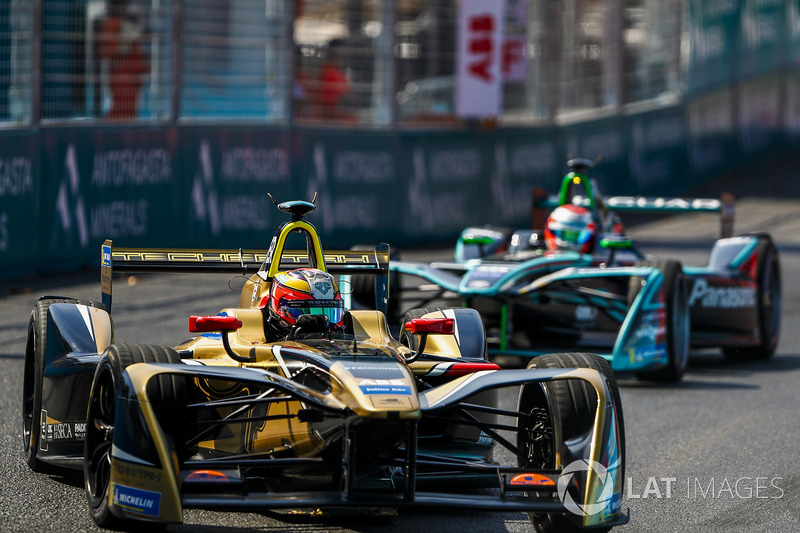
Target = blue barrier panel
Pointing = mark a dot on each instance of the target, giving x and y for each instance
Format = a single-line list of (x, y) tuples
[(607, 140), (657, 157), (98, 184), (20, 208), (714, 35), (224, 177), (711, 122), (761, 45), (759, 117)]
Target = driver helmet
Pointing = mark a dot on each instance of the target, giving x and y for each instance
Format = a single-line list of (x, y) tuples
[(570, 227), (305, 291)]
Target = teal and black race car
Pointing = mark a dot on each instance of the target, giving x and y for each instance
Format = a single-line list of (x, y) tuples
[(289, 400), (602, 294)]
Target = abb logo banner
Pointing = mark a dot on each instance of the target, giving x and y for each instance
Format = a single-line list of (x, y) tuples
[(479, 57)]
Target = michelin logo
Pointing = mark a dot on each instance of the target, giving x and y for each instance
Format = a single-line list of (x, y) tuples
[(722, 297), (136, 500)]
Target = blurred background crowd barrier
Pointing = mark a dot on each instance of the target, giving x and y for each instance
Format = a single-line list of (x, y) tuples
[(166, 122)]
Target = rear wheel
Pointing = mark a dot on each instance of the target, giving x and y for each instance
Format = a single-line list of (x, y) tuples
[(677, 324), (573, 402), (769, 310), (33, 380), (163, 391)]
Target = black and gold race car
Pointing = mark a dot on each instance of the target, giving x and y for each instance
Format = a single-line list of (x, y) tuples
[(330, 412)]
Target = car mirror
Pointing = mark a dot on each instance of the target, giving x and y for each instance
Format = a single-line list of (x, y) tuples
[(426, 326), (201, 324)]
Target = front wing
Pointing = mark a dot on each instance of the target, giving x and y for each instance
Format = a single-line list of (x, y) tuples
[(158, 486)]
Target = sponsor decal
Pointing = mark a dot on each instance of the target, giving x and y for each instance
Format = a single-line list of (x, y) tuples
[(607, 500), (372, 372), (385, 389), (367, 168), (120, 218), (204, 191), (16, 176), (43, 432), (57, 431), (639, 353), (532, 480), (106, 256), (484, 439), (255, 165), (136, 473), (135, 500), (207, 475), (323, 286), (216, 211), (123, 168), (661, 202), (479, 47), (384, 386), (647, 332), (69, 202), (707, 296)]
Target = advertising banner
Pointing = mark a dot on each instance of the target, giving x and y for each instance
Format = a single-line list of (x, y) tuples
[(101, 185), (20, 208), (712, 133), (713, 33), (226, 176), (759, 116), (478, 58), (762, 36), (657, 160)]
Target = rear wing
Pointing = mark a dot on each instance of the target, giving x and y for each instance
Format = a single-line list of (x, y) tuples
[(246, 262), (542, 204)]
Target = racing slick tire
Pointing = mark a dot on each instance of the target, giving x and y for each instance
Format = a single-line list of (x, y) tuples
[(166, 394), (769, 310), (473, 346), (677, 323), (33, 379), (363, 287), (574, 402)]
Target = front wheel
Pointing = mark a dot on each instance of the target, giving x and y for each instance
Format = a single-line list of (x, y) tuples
[(165, 391), (677, 331), (33, 381), (572, 402)]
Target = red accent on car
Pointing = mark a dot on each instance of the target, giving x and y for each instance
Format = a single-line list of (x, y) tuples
[(444, 326), (213, 323), (462, 369)]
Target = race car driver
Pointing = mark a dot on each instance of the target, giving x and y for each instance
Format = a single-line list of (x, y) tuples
[(305, 300), (570, 227)]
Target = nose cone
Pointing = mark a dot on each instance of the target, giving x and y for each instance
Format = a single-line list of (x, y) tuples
[(377, 388)]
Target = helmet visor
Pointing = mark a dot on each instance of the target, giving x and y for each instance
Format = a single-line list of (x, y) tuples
[(572, 236), (333, 309)]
